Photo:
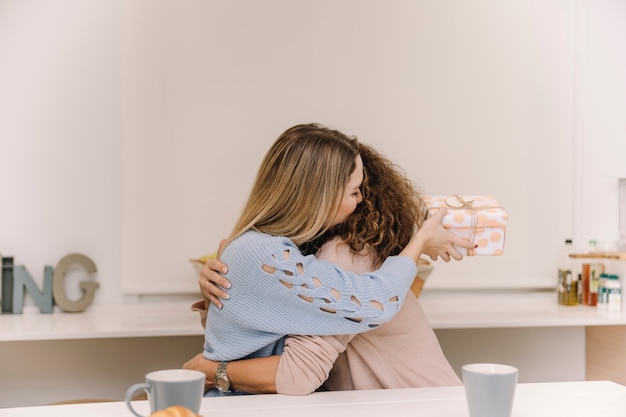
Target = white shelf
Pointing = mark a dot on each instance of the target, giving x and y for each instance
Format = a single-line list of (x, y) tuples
[(445, 310)]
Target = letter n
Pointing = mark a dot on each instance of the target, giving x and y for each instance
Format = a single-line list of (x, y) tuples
[(23, 280)]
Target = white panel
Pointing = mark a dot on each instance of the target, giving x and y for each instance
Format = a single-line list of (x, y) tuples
[(470, 98), (600, 147), (60, 135)]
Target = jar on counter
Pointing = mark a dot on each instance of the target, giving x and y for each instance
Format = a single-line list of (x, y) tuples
[(602, 295), (610, 293)]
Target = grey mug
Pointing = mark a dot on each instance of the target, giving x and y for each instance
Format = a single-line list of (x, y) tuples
[(170, 387)]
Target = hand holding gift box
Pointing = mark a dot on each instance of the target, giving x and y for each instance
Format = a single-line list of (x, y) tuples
[(481, 219)]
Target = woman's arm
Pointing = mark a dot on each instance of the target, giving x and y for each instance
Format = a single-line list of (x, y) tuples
[(307, 361), (276, 290), (302, 368), (256, 375)]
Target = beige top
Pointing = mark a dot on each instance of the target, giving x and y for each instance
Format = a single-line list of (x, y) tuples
[(403, 353)]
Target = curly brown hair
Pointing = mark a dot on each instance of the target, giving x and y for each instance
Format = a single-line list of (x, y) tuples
[(392, 207)]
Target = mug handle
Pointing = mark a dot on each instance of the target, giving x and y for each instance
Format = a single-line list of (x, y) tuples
[(130, 393)]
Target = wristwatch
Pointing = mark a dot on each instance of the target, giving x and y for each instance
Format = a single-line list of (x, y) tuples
[(222, 382)]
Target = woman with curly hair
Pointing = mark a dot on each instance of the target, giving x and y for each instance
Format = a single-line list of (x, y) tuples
[(368, 230)]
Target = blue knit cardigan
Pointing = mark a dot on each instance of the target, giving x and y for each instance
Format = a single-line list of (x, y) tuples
[(276, 291)]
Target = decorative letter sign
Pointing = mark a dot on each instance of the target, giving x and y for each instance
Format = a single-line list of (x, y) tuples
[(89, 287), (7, 284), (16, 281)]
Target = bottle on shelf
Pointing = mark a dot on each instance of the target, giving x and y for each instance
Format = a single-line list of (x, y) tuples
[(595, 270), (591, 272), (579, 288), (602, 296), (567, 282), (571, 289), (592, 246)]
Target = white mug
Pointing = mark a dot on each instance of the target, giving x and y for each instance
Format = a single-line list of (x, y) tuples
[(170, 387), (489, 388)]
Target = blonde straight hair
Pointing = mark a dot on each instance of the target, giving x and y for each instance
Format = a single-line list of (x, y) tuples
[(300, 183)]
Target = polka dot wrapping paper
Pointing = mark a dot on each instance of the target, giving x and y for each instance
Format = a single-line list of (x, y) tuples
[(481, 219)]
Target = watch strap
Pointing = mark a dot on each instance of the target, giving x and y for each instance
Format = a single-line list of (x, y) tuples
[(222, 382)]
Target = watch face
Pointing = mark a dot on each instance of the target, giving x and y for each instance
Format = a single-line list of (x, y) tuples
[(222, 384)]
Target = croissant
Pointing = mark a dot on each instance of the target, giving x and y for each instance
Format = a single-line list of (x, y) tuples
[(174, 411)]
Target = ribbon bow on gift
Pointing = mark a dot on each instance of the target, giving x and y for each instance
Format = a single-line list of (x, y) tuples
[(456, 201)]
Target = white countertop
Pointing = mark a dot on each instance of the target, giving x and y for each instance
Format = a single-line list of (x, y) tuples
[(495, 309), (445, 310), (571, 399), (104, 321)]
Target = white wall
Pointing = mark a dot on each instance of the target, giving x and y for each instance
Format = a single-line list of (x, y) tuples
[(600, 119), (126, 112), (461, 95), (61, 135), (117, 117)]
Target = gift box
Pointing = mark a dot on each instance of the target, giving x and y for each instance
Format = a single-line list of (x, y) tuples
[(481, 219)]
